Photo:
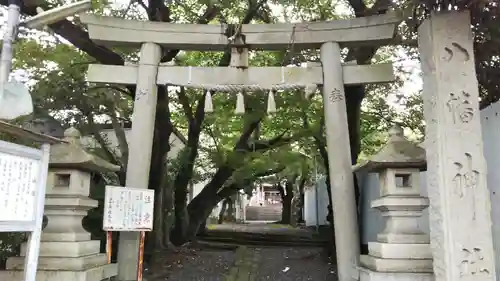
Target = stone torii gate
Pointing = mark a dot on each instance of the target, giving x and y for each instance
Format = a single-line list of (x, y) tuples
[(332, 75)]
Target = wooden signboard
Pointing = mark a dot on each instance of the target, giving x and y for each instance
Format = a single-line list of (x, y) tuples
[(128, 209), (23, 177)]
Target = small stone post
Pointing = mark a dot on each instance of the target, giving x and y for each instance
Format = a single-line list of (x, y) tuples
[(460, 207), (66, 251), (402, 251)]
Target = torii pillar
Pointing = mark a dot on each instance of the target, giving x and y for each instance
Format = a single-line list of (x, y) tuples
[(345, 214), (140, 146)]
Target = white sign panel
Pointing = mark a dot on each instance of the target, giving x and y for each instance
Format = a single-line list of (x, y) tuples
[(18, 187), (128, 209), (23, 176), (22, 186)]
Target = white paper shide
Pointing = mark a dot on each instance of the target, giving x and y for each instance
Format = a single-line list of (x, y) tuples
[(128, 209)]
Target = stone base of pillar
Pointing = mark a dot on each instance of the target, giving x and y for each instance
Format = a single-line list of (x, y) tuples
[(396, 265), (366, 274), (70, 260), (400, 251), (56, 263), (93, 274)]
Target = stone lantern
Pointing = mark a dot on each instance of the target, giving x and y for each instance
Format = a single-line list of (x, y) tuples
[(402, 251), (66, 250)]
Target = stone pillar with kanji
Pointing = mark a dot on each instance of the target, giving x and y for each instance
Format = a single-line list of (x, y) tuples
[(402, 251), (66, 250), (460, 205)]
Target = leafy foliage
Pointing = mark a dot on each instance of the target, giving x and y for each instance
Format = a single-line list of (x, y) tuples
[(221, 147)]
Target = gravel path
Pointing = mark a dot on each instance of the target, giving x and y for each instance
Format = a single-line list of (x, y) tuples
[(293, 264)]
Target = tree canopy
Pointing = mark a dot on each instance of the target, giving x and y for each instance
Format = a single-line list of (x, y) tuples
[(225, 151)]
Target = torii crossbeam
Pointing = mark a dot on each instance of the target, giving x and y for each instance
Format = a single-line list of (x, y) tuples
[(111, 31)]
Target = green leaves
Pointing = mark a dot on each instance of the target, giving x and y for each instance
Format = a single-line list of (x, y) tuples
[(57, 76)]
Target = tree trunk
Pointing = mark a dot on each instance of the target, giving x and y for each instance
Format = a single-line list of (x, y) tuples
[(181, 216), (230, 209), (201, 206), (286, 213), (159, 219), (286, 201), (222, 212), (198, 215), (300, 211), (157, 175), (168, 206), (354, 98), (187, 157), (329, 215), (202, 229)]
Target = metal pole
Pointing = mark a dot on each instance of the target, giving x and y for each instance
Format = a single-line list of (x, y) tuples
[(316, 196), (8, 39), (109, 245), (140, 258)]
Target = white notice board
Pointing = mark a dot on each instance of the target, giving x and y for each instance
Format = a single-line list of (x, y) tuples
[(22, 187), (23, 178), (128, 209)]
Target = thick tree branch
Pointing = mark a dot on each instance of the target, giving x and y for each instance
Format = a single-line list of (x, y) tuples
[(216, 143), (179, 135), (210, 13), (232, 188), (81, 40), (120, 135), (358, 6), (322, 152), (263, 145), (242, 143), (116, 88), (225, 171), (184, 100), (98, 137), (78, 37), (318, 139), (363, 55)]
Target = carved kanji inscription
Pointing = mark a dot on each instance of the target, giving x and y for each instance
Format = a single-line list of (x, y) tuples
[(472, 263), (140, 94), (466, 177), (456, 48), (336, 95), (461, 108), (466, 180)]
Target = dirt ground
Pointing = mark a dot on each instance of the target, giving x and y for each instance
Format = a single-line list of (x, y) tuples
[(209, 261)]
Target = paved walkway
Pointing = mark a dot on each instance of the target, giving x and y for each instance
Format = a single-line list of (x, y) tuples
[(213, 261)]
